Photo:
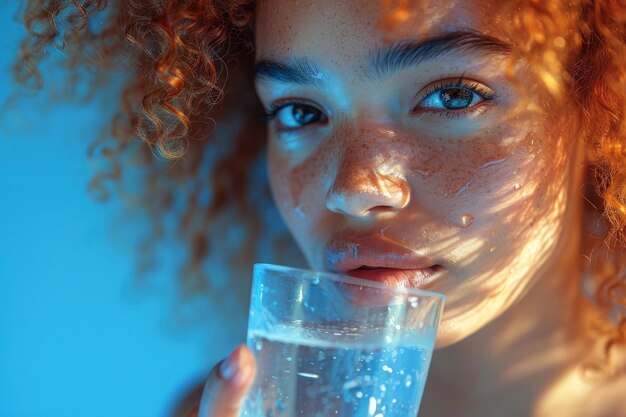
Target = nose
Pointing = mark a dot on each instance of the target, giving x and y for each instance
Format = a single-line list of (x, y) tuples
[(365, 186)]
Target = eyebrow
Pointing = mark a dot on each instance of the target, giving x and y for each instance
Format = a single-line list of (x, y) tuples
[(297, 71), (387, 60)]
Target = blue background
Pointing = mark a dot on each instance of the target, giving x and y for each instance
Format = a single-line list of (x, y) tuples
[(78, 337)]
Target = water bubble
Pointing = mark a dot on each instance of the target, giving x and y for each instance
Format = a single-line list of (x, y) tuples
[(316, 281), (359, 394), (387, 368), (413, 301), (383, 388), (517, 186), (408, 381), (308, 375), (397, 327), (372, 406), (258, 344), (289, 359), (353, 383), (467, 220)]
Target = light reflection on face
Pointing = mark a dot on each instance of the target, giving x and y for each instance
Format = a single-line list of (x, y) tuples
[(432, 155)]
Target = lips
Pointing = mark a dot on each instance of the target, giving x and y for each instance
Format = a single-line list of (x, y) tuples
[(413, 278), (380, 258)]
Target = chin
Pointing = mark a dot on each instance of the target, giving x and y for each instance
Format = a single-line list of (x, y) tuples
[(449, 333), (460, 323)]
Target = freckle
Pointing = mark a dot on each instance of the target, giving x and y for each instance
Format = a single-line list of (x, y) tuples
[(454, 189)]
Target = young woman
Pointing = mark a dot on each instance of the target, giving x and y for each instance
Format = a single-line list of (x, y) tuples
[(475, 148)]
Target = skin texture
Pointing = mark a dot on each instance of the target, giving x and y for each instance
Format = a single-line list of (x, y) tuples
[(483, 192), (490, 194)]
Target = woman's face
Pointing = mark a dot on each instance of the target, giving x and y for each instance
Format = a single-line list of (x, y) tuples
[(404, 156)]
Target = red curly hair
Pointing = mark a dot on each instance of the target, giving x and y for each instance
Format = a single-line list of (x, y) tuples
[(192, 65)]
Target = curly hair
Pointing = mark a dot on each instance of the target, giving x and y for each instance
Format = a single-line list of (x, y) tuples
[(186, 54)]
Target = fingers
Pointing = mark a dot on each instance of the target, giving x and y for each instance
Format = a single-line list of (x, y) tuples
[(228, 383)]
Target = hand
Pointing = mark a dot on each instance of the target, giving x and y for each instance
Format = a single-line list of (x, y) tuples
[(227, 385)]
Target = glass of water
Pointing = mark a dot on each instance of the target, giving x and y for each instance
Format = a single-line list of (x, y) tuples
[(333, 345)]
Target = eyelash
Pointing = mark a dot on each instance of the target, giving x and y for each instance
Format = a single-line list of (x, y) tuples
[(272, 112), (485, 93), (474, 87)]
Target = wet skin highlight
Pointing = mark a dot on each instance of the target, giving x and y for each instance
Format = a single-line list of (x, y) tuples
[(482, 192)]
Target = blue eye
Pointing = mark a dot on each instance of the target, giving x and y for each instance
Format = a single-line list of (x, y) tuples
[(292, 116), (456, 96), (451, 98)]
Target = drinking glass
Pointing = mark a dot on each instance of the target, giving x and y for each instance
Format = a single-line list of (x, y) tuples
[(334, 345)]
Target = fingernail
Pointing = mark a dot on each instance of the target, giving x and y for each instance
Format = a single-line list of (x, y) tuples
[(233, 368)]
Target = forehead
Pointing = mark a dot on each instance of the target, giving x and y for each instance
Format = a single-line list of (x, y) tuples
[(342, 30)]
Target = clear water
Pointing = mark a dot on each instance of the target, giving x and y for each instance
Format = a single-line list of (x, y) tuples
[(305, 378)]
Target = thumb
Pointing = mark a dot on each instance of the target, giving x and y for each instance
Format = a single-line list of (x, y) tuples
[(227, 384)]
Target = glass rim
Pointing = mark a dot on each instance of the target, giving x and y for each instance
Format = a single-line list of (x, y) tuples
[(344, 278)]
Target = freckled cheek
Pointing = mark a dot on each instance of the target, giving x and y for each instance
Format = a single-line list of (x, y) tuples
[(450, 167), (546, 182), (297, 192), (502, 182), (280, 190), (278, 173), (513, 202)]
